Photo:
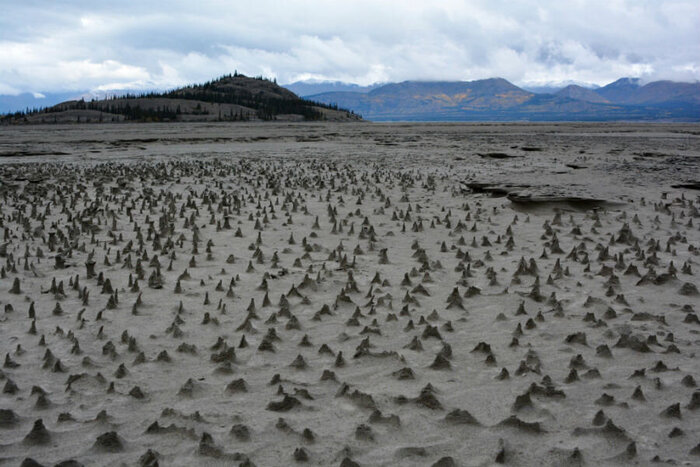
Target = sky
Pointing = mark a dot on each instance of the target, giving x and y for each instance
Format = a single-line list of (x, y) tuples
[(53, 46)]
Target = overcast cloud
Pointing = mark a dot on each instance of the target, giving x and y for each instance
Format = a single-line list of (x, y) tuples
[(49, 45)]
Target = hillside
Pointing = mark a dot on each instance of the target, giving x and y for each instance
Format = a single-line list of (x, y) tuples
[(499, 100), (663, 92), (620, 91), (229, 98), (580, 93)]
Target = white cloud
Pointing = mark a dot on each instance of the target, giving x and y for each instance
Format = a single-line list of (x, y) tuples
[(144, 45)]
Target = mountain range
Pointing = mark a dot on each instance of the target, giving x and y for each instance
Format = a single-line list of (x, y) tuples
[(496, 99), (238, 97)]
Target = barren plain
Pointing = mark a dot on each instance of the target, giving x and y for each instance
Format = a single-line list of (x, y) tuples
[(350, 294)]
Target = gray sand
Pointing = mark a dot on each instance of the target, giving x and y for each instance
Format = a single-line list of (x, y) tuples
[(383, 294)]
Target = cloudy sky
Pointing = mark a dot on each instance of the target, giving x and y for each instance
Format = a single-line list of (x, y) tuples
[(49, 46)]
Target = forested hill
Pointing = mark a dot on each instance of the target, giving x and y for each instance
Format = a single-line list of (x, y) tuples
[(229, 98)]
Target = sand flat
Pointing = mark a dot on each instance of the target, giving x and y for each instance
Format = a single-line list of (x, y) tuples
[(330, 294)]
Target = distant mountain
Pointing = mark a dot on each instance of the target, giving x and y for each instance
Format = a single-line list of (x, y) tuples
[(309, 88), (229, 98), (553, 88), (499, 100), (543, 89), (577, 92), (629, 91), (431, 100), (620, 91), (667, 92), (27, 100)]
